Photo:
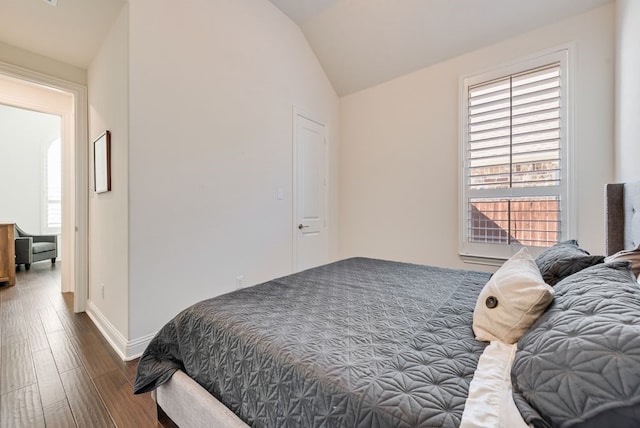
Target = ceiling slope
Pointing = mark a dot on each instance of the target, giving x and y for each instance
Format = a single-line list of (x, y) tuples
[(361, 43), (71, 32)]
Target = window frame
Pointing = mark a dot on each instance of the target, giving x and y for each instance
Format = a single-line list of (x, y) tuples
[(495, 254)]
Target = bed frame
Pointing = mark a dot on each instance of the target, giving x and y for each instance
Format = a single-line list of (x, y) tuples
[(183, 402), (622, 216)]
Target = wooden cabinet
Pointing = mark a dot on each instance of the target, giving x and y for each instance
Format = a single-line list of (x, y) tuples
[(7, 254)]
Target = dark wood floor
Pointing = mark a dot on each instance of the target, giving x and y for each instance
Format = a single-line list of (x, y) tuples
[(56, 369)]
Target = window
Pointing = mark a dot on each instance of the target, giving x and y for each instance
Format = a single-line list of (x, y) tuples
[(53, 188), (515, 149)]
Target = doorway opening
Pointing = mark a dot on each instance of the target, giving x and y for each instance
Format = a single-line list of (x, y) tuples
[(31, 140), (37, 95)]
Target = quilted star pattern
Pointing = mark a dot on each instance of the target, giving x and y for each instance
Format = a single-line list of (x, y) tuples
[(580, 364), (357, 343)]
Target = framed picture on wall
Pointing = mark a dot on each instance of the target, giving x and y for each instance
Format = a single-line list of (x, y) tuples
[(102, 163)]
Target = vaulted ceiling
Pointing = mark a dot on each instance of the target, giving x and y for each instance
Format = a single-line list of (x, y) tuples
[(359, 43)]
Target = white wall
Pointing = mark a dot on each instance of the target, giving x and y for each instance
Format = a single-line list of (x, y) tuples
[(24, 137), (627, 91), (399, 159), (212, 88), (108, 212)]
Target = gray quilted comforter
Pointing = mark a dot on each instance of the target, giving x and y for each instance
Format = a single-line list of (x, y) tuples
[(357, 343), (579, 365)]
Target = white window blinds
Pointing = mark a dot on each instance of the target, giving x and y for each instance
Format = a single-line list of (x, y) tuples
[(54, 186), (514, 131), (514, 190)]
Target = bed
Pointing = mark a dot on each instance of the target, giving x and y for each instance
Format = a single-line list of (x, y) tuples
[(373, 343)]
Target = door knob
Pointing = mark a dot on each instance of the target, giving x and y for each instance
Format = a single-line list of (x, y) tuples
[(302, 226)]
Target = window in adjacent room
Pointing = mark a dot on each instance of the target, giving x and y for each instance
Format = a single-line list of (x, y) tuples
[(53, 187), (515, 147)]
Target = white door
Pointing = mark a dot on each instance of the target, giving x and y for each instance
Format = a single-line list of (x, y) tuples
[(310, 193)]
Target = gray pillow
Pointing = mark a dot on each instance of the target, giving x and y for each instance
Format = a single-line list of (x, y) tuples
[(564, 259), (579, 364)]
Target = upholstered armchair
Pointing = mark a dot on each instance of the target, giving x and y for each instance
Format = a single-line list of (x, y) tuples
[(34, 248)]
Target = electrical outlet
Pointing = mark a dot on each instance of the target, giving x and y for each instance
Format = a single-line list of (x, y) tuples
[(102, 287), (239, 280)]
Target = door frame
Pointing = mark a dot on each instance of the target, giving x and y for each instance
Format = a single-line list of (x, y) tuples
[(77, 205), (299, 112)]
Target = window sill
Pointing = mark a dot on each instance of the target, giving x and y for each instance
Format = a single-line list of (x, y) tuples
[(482, 260)]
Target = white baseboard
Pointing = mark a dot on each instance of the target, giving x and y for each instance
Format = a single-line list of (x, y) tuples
[(126, 349), (136, 347)]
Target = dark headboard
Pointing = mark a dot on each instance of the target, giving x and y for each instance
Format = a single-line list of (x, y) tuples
[(622, 216)]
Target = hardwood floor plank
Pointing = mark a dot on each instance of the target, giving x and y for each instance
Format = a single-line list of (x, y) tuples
[(11, 308), (13, 322), (14, 330), (128, 410), (63, 352), (16, 371), (131, 369), (75, 324), (68, 298), (94, 355), (21, 408), (36, 299), (8, 293), (50, 320), (37, 339), (77, 379), (49, 383), (86, 405), (59, 415), (57, 299), (36, 335)]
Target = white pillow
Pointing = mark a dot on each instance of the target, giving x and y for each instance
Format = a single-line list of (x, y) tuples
[(511, 301)]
